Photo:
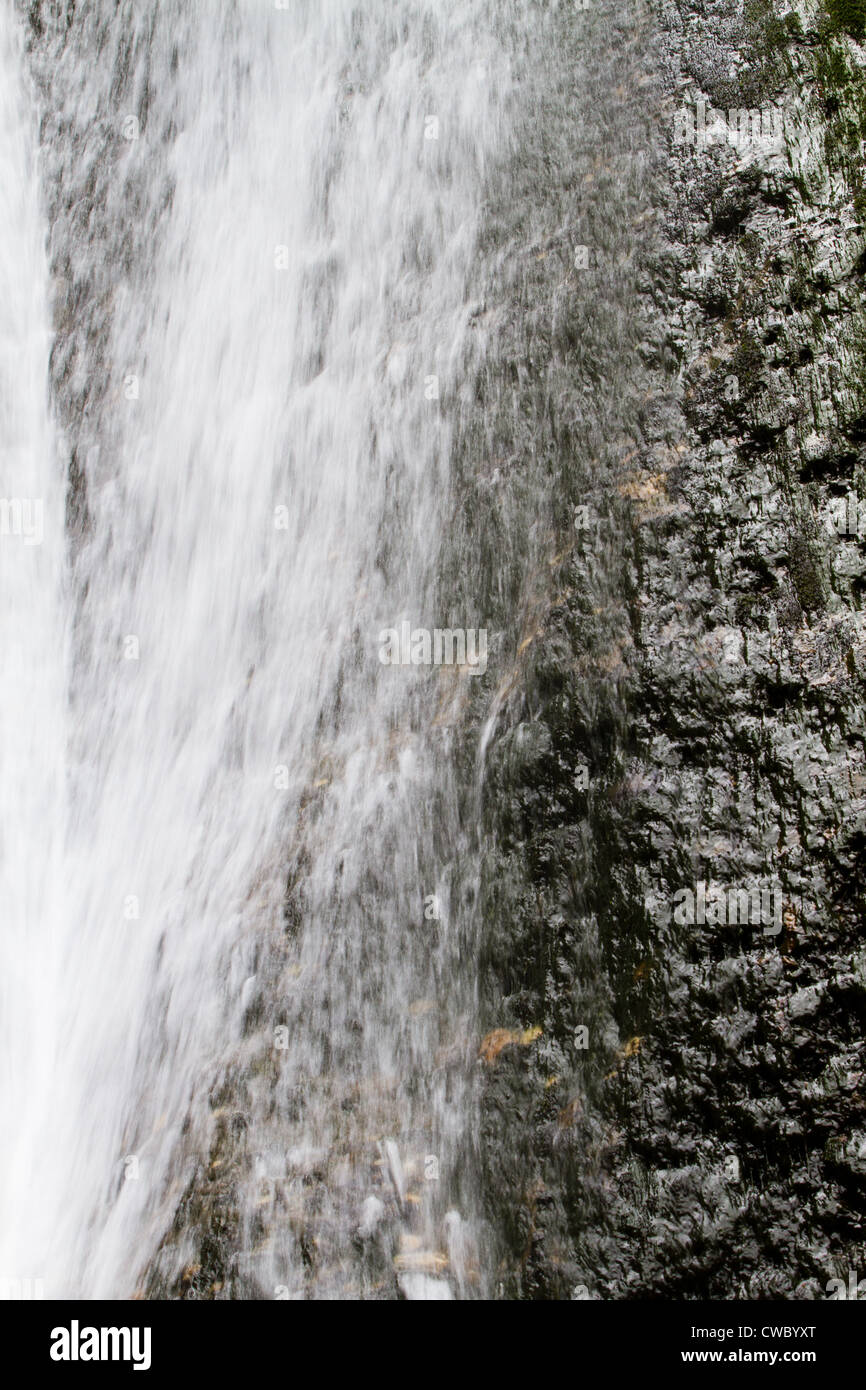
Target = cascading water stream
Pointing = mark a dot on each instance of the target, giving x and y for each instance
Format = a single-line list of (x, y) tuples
[(266, 225), (33, 638)]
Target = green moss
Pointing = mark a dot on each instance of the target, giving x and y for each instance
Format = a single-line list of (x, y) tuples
[(839, 82), (748, 364), (793, 25), (848, 15), (805, 574), (842, 92), (769, 34)]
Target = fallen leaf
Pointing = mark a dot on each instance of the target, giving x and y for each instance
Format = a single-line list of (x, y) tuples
[(500, 1038)]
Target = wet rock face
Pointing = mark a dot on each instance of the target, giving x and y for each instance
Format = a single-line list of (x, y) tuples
[(668, 519), (706, 1135)]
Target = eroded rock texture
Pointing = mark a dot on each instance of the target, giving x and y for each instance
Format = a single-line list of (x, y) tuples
[(661, 515), (706, 1136)]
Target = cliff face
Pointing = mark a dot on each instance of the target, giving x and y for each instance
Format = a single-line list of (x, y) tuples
[(690, 1122), (660, 514)]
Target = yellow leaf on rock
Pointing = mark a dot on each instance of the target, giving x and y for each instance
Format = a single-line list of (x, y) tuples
[(494, 1043), (500, 1038)]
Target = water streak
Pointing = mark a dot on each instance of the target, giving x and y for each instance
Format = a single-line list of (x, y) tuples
[(264, 227)]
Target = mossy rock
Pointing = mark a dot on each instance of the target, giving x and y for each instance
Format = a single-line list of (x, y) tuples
[(849, 15), (805, 574)]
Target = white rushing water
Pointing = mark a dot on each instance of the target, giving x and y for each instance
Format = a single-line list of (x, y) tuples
[(284, 339), (32, 693)]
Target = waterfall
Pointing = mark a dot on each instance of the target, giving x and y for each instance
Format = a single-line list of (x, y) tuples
[(421, 562), (241, 912), (34, 996)]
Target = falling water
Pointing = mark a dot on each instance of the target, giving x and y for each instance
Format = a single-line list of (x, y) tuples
[(264, 224), (33, 993), (240, 852)]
